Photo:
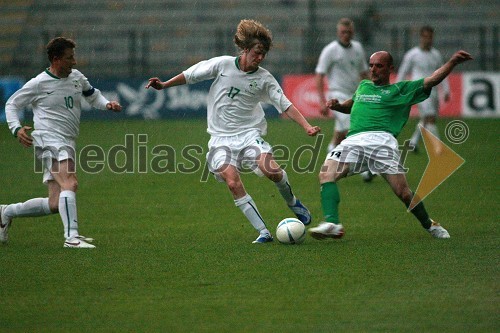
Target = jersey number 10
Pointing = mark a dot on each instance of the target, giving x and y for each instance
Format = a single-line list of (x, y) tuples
[(69, 102)]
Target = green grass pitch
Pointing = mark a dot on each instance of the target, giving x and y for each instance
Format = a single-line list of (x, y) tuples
[(174, 254)]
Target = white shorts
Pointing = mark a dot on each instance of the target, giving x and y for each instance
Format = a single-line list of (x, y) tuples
[(342, 120), (51, 146), (374, 151), (430, 106), (239, 150)]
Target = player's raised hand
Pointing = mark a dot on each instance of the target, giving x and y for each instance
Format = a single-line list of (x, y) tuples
[(460, 57), (23, 136), (155, 83)]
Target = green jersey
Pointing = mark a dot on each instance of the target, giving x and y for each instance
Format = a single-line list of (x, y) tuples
[(384, 108)]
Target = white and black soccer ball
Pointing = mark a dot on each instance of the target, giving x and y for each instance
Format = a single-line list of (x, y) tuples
[(291, 231)]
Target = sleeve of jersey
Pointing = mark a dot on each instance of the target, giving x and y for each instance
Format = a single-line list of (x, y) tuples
[(17, 102), (202, 71), (93, 96), (276, 96), (414, 91)]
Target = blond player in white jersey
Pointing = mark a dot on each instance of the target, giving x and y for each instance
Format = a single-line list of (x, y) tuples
[(55, 95), (236, 120), (421, 61), (344, 64)]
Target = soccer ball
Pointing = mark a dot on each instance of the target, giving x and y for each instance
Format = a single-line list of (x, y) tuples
[(291, 231)]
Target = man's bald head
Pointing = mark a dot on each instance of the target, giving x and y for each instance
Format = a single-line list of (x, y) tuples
[(384, 56), (381, 66)]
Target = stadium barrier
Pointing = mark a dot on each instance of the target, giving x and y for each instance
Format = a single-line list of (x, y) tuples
[(473, 95)]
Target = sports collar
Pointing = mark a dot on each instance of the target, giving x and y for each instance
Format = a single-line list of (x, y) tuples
[(344, 46), (51, 75), (237, 63)]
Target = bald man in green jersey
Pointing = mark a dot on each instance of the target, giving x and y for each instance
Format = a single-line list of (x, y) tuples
[(379, 110)]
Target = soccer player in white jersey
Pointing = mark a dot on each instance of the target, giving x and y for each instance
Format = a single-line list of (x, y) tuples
[(55, 95), (236, 120), (421, 61), (343, 63)]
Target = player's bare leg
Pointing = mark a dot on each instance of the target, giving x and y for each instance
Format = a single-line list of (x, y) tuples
[(244, 201), (273, 171), (399, 185)]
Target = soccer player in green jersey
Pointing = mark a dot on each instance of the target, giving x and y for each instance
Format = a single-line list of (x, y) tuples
[(379, 110)]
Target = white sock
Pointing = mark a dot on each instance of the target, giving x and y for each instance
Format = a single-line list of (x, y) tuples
[(286, 190), (32, 207), (415, 138), (67, 210), (248, 207), (433, 129)]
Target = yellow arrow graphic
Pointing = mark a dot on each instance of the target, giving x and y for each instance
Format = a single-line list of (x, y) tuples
[(442, 163)]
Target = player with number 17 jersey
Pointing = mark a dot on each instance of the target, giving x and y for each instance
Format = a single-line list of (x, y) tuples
[(234, 97)]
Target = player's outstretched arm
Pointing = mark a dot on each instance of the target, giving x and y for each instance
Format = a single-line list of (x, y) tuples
[(157, 84), (345, 107), (296, 116), (443, 71)]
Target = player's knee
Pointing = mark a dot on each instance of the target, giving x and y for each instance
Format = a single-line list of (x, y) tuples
[(234, 185), (70, 185), (73, 185), (326, 176)]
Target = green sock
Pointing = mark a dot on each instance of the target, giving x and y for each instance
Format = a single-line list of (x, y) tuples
[(330, 198), (421, 214)]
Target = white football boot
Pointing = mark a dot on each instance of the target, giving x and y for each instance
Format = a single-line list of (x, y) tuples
[(78, 242), (327, 230), (437, 231)]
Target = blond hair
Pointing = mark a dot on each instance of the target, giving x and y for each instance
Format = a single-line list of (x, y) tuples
[(250, 32)]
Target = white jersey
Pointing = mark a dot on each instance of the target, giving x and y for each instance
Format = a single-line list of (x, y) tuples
[(419, 63), (56, 102), (233, 105), (342, 66)]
